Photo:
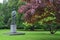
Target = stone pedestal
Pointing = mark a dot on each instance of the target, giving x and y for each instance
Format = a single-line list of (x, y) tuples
[(13, 31), (13, 28)]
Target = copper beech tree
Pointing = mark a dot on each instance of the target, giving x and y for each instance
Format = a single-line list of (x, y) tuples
[(34, 9)]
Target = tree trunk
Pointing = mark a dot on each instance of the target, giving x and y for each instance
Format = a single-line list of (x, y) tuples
[(53, 30), (32, 28)]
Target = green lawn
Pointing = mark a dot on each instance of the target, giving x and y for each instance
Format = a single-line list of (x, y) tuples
[(30, 35)]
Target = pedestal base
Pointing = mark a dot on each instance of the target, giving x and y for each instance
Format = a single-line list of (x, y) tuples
[(13, 28), (13, 31), (17, 33)]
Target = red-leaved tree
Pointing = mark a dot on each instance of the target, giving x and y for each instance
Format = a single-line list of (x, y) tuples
[(34, 9)]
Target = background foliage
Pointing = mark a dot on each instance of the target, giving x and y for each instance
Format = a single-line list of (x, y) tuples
[(5, 17)]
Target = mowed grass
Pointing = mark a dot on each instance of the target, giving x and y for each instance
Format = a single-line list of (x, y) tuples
[(30, 35)]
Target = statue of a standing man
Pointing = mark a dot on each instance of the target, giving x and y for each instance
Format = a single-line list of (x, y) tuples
[(13, 16)]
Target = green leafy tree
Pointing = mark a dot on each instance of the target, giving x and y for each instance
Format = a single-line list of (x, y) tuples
[(1, 17)]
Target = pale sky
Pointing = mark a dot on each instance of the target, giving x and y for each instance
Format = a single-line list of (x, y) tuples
[(1, 1)]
